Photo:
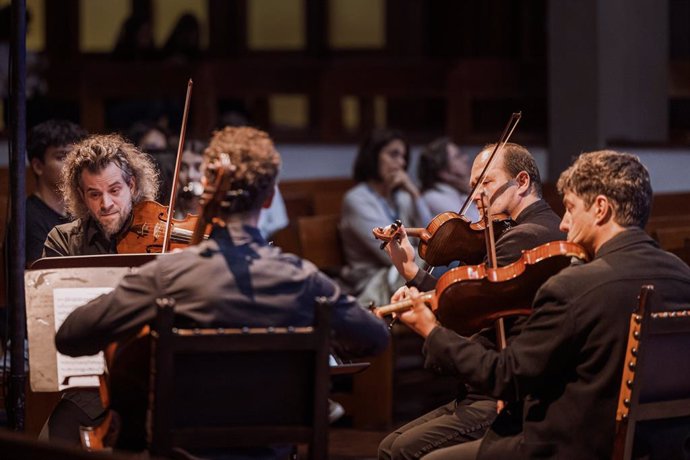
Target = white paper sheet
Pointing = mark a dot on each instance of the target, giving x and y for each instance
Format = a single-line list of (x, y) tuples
[(69, 369)]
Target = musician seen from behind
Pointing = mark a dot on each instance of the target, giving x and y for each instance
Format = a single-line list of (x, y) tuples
[(234, 279), (49, 143), (104, 178), (566, 362), (513, 186)]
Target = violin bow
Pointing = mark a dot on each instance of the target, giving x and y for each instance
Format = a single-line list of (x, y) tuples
[(178, 160), (503, 140), (489, 230)]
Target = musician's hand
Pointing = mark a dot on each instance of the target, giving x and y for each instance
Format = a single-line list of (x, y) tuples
[(401, 253), (402, 293), (500, 405), (419, 318), (400, 179)]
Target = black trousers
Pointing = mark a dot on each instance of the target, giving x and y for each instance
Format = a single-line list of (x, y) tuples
[(455, 423)]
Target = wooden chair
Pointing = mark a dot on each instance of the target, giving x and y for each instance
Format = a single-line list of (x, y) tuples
[(370, 402), (673, 237), (235, 388), (654, 400), (319, 241)]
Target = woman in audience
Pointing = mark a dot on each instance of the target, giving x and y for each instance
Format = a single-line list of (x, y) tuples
[(444, 173), (384, 193)]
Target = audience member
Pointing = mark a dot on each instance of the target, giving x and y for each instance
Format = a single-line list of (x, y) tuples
[(184, 42), (152, 138), (49, 143), (444, 173), (384, 193)]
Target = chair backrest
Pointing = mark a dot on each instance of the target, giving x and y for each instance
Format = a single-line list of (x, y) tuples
[(320, 241), (655, 388), (239, 387)]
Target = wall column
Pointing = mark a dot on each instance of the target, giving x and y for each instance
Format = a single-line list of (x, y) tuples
[(608, 76)]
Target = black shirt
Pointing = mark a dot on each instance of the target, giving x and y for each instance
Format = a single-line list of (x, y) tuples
[(40, 219)]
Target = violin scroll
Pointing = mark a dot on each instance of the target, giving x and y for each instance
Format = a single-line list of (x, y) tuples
[(386, 236), (216, 195)]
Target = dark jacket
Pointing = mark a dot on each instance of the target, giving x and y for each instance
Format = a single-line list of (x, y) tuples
[(224, 282), (232, 280), (566, 363), (537, 224)]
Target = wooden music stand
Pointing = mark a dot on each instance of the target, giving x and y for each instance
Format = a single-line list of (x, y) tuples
[(45, 275)]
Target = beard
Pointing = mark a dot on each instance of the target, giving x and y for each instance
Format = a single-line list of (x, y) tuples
[(113, 226)]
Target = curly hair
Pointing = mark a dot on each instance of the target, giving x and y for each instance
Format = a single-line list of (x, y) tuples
[(94, 154), (256, 164), (618, 176), (516, 159)]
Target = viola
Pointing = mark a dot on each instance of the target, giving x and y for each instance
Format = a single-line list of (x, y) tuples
[(147, 232), (472, 297)]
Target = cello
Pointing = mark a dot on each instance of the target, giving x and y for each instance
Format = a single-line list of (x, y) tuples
[(451, 236)]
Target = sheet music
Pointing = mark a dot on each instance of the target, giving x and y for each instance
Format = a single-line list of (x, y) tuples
[(65, 300)]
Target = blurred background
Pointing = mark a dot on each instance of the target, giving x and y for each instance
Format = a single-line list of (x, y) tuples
[(319, 74)]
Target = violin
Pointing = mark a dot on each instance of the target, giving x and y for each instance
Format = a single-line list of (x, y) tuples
[(439, 241), (147, 231), (472, 297), (153, 227), (451, 236)]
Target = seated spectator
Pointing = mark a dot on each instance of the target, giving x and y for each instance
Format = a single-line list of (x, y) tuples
[(183, 44), (152, 138), (135, 40), (384, 193), (444, 173)]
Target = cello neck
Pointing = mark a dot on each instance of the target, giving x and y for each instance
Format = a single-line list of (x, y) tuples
[(403, 305)]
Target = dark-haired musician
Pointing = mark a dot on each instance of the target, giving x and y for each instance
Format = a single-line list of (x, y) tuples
[(49, 143), (234, 279), (565, 364), (513, 186)]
